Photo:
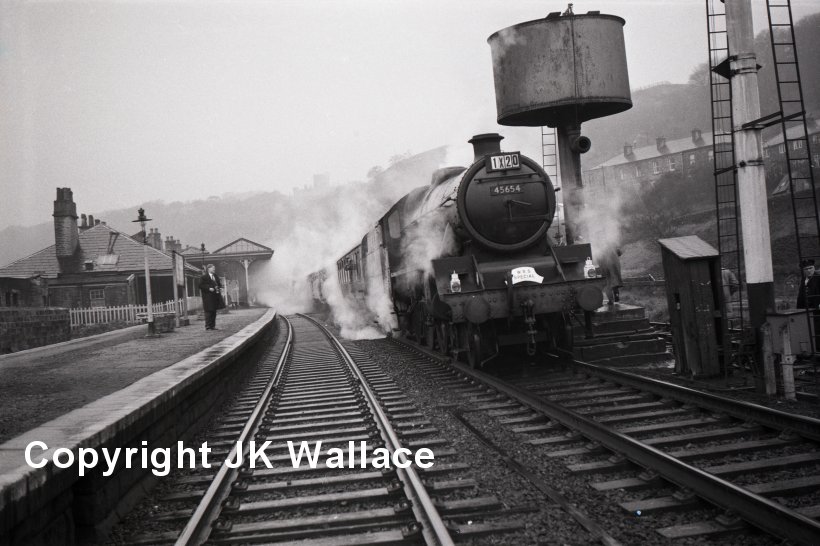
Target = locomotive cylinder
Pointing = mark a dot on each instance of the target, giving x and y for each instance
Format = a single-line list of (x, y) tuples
[(560, 69)]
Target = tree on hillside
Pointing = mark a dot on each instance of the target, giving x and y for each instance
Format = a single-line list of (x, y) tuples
[(700, 75), (654, 212)]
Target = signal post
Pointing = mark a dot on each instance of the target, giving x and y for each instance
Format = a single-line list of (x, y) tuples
[(751, 177)]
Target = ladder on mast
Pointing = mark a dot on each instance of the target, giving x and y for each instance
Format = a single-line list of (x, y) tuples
[(549, 161), (734, 311), (792, 118)]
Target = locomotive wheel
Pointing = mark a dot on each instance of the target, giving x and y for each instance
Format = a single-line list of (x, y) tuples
[(473, 349), (429, 336), (443, 335)]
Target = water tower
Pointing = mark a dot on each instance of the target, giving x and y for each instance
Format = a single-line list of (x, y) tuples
[(561, 71)]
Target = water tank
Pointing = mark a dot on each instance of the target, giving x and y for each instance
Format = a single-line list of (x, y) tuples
[(561, 69)]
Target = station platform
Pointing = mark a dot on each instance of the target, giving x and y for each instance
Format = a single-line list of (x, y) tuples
[(41, 384), (113, 390)]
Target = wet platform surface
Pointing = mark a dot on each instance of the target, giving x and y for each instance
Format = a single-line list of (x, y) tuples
[(41, 384)]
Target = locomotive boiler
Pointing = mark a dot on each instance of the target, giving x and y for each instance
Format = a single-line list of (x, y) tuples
[(467, 265)]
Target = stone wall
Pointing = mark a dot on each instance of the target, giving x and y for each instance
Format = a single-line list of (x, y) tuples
[(29, 327)]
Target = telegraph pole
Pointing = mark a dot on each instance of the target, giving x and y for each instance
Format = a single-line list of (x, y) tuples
[(751, 178)]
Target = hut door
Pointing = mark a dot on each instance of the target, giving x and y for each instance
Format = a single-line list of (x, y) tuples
[(703, 305)]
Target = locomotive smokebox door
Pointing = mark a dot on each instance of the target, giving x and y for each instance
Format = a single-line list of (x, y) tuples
[(692, 269)]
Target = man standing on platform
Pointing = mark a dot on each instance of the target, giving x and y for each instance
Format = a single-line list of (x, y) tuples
[(211, 289)]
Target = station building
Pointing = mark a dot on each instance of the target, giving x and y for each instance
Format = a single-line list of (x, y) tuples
[(92, 265)]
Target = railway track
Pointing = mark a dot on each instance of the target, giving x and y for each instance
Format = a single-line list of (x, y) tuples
[(312, 390), (720, 466)]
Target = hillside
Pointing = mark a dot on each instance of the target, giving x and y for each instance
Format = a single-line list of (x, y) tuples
[(341, 213), (673, 110), (670, 110)]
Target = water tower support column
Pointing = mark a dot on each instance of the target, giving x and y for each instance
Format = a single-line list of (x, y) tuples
[(570, 146)]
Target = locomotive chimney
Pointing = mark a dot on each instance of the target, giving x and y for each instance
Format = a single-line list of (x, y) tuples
[(486, 144)]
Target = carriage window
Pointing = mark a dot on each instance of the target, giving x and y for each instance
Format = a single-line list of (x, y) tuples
[(393, 225)]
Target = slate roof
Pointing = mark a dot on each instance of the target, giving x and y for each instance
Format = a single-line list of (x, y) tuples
[(649, 152), (685, 144), (93, 246), (792, 132)]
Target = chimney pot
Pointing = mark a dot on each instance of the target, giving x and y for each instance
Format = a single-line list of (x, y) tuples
[(96, 222)]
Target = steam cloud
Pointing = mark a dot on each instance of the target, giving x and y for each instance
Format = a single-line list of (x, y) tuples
[(327, 225)]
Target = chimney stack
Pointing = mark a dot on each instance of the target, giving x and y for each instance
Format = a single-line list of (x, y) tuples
[(697, 137), (661, 144), (486, 144), (84, 224), (628, 153), (91, 220), (155, 239), (66, 235)]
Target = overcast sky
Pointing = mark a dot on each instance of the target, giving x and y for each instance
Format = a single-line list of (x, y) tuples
[(131, 101)]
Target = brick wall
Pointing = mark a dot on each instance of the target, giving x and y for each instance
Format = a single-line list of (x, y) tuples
[(65, 296), (28, 327)]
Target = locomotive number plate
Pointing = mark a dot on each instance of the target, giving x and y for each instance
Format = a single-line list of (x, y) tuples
[(506, 189), (503, 162)]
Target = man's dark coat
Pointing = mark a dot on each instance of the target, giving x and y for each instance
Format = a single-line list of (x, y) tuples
[(809, 293), (211, 301)]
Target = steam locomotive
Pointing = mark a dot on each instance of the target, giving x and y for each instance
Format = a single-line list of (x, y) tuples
[(466, 265)]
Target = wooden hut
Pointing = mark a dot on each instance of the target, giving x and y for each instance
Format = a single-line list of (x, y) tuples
[(692, 269)]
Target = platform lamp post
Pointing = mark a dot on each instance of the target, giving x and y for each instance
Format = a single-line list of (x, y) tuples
[(202, 249), (142, 220)]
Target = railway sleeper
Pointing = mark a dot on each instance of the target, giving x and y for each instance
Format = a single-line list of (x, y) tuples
[(768, 465), (612, 464), (327, 499), (567, 438), (366, 532), (473, 530), (598, 392), (706, 436), (679, 501), (796, 486), (546, 426), (669, 425), (528, 418), (461, 506), (593, 402), (643, 416), (644, 480), (721, 525), (734, 448)]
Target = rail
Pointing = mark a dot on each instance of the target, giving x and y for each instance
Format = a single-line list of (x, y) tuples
[(762, 512), (199, 527), (433, 528)]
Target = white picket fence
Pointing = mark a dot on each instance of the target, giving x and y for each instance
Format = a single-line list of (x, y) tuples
[(124, 313)]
